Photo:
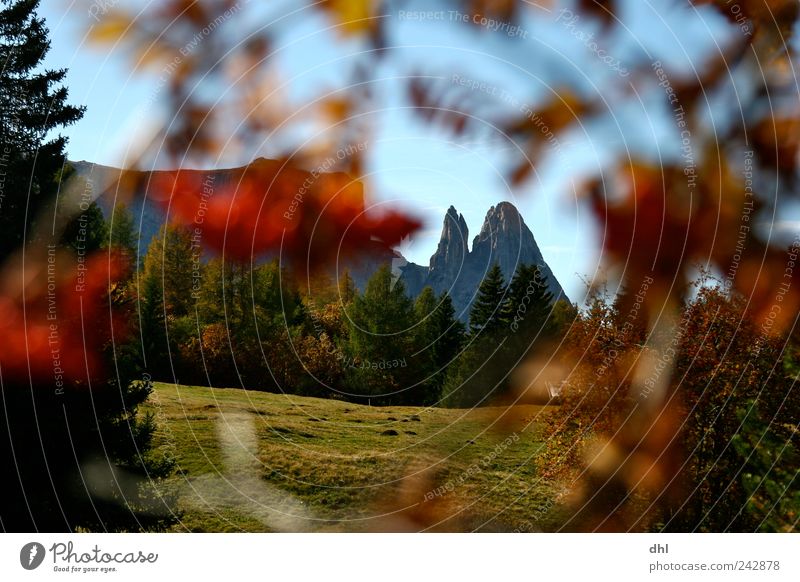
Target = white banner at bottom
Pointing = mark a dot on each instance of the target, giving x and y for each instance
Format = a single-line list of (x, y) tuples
[(400, 557)]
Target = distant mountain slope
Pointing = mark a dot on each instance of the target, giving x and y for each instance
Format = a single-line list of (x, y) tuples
[(104, 184), (504, 239)]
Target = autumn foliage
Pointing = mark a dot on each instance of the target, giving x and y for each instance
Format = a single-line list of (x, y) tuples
[(310, 218)]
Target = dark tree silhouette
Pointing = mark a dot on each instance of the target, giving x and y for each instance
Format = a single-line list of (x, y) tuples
[(32, 105), (486, 315)]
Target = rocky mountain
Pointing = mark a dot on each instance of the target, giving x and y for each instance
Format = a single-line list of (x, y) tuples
[(504, 238)]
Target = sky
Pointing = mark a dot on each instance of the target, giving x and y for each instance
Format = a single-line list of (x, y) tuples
[(413, 164)]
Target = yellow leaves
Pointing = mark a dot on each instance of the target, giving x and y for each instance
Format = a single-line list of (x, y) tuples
[(110, 29), (353, 16), (144, 51)]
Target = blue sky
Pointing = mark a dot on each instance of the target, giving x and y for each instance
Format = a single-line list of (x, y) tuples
[(411, 163)]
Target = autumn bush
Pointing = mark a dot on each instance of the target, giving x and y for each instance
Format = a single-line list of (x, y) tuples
[(729, 405)]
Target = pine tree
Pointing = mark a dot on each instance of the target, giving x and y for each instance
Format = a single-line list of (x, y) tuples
[(486, 315), (426, 329), (152, 318), (439, 337), (170, 260), (380, 340), (425, 338), (347, 288), (32, 106), (452, 332), (87, 232), (529, 302), (122, 232), (68, 442)]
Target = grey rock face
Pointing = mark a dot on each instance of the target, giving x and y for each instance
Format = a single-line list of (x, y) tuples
[(504, 238)]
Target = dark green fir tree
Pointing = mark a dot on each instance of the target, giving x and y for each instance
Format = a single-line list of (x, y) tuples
[(33, 105), (487, 311)]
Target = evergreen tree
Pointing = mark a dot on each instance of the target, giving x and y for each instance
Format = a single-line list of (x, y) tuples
[(152, 318), (563, 316), (87, 232), (426, 329), (486, 315), (211, 302), (69, 440), (347, 288), (380, 341), (170, 261), (478, 376), (425, 338), (529, 303), (32, 106), (122, 232), (439, 337), (452, 332)]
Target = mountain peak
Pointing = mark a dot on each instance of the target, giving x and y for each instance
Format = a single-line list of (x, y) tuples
[(503, 215), (504, 239), (452, 249), (505, 207)]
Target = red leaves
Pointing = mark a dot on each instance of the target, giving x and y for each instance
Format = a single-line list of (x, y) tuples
[(57, 333), (309, 217), (650, 229)]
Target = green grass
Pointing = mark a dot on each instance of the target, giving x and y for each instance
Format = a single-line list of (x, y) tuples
[(254, 461)]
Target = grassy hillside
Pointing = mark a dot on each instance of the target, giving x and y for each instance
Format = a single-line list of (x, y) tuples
[(253, 461)]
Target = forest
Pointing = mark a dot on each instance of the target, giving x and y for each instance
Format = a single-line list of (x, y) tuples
[(224, 323)]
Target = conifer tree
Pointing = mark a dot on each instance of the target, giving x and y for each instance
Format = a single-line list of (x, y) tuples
[(380, 338), (32, 106), (486, 315), (69, 440), (87, 232), (426, 328), (165, 294), (452, 332), (529, 302), (169, 260), (426, 338), (347, 288), (122, 232)]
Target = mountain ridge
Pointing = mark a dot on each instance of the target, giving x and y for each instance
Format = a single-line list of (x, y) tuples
[(454, 266)]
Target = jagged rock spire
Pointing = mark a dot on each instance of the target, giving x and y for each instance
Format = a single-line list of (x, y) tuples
[(504, 239), (449, 257)]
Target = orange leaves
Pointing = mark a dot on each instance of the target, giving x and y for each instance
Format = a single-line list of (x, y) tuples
[(58, 331), (561, 110), (650, 229), (309, 217), (111, 28), (665, 222), (352, 16), (540, 127)]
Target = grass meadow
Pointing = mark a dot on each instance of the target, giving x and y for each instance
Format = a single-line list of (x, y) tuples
[(255, 461)]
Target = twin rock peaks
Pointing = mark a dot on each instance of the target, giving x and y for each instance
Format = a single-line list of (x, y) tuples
[(504, 238)]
